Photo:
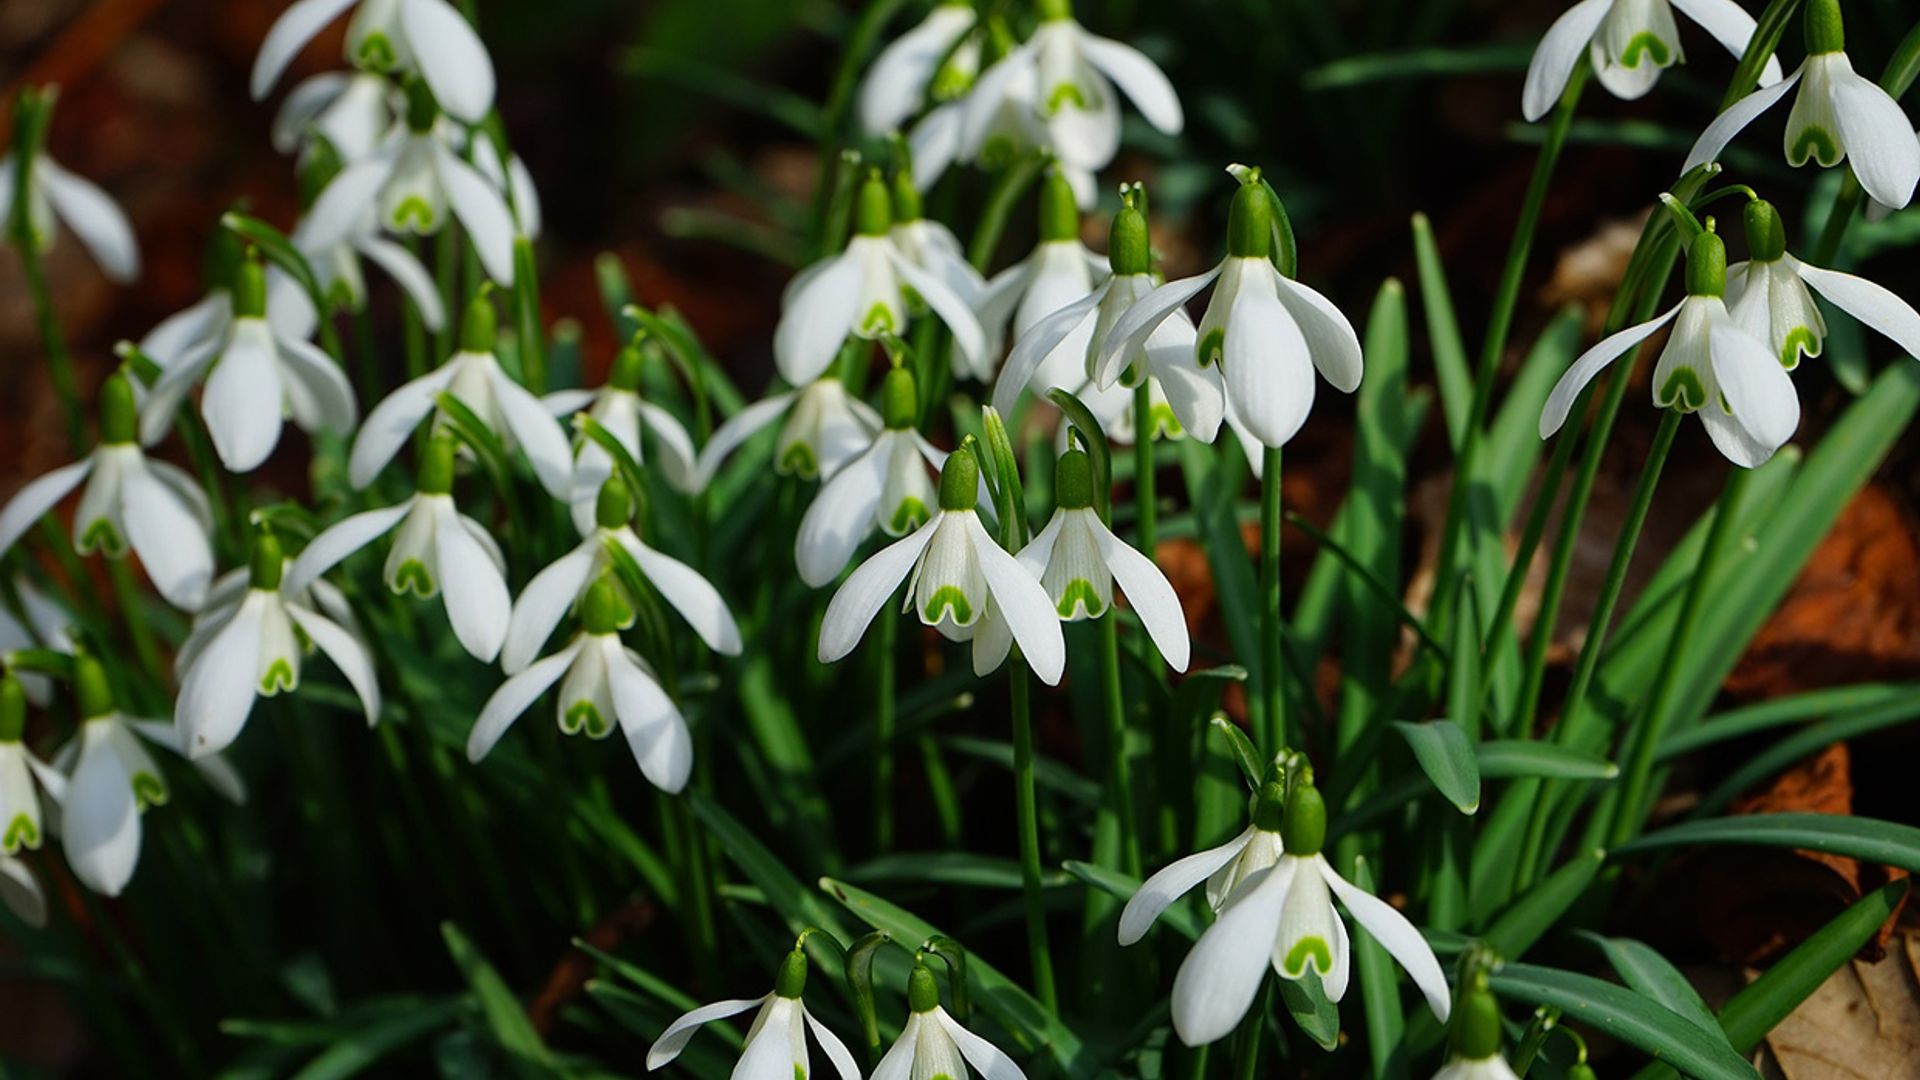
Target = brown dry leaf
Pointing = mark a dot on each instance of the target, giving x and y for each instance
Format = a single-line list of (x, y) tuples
[(1862, 1024), (1589, 272)]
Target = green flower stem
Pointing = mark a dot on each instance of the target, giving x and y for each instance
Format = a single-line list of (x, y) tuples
[(54, 344), (1273, 717), (1523, 555), (885, 657), (1119, 771), (126, 595), (414, 328), (446, 268), (699, 880), (1145, 484), (529, 336), (1026, 812), (1530, 852), (1630, 810)]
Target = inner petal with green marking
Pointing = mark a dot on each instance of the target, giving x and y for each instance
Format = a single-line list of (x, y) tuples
[(1646, 44), (948, 598), (908, 516), (586, 717), (1308, 948), (1800, 340), (148, 790), (279, 676), (101, 536), (21, 832), (413, 213), (1683, 390), (413, 577)]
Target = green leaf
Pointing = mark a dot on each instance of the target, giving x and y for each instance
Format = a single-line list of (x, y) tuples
[(1446, 755), (1121, 886), (1244, 752), (1642, 968), (946, 868), (1504, 758), (1374, 585), (1800, 745), (1765, 715), (352, 1052), (798, 905), (1048, 774), (1861, 838), (1626, 1016), (1536, 911), (1306, 1001), (506, 1018), (1418, 64), (1443, 332)]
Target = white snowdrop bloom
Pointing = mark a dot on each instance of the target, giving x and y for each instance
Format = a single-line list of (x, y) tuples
[(562, 586), (863, 292), (110, 780), (198, 330), (256, 376), (887, 487), (1224, 869), (337, 265), (254, 649), (57, 197), (825, 428), (1283, 917), (41, 624), (1058, 274), (931, 246), (474, 377), (436, 551), (1475, 1039), (932, 1044), (231, 590), (1710, 366), (352, 112), (1769, 296), (620, 409), (512, 179), (776, 1046), (1067, 78), (935, 61), (957, 571), (410, 186), (1878, 211), (427, 36), (151, 508), (22, 775), (1838, 115), (1629, 43), (1267, 332), (602, 684)]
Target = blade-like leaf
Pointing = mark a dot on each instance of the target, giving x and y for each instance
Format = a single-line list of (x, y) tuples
[(506, 1018), (1645, 970), (1504, 758), (1624, 1015), (1833, 834), (1446, 756)]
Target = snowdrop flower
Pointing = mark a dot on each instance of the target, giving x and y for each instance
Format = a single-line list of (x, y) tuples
[(935, 61), (933, 1044), (409, 186), (1224, 869), (825, 428), (51, 192), (563, 585), (957, 571), (256, 377), (151, 508), (886, 487), (111, 780), (436, 551), (1067, 77), (352, 112), (19, 791), (776, 1043), (1059, 273), (513, 179), (198, 330), (1266, 331), (930, 245), (1878, 211), (1837, 115), (1284, 917), (1770, 299), (41, 624), (1630, 43), (620, 409), (428, 36), (861, 292), (474, 377), (231, 590), (1710, 366), (1475, 1039), (336, 266)]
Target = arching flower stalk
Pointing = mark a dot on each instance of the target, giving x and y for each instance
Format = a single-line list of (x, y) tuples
[(887, 487), (776, 1043), (1629, 42), (430, 37), (619, 408), (1769, 296)]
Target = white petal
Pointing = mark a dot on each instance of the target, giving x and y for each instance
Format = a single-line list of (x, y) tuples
[(94, 217), (1196, 395), (1334, 346), (290, 33), (1137, 77), (952, 309), (655, 731), (345, 205), (1036, 345), (693, 596), (988, 94), (185, 487), (1217, 981), (674, 1039), (561, 404), (392, 423), (897, 79), (215, 769), (168, 536), (738, 428), (1877, 135), (319, 380), (1732, 27), (537, 432), (897, 1063), (1267, 365), (405, 269), (1337, 979), (303, 106), (867, 589), (244, 401), (543, 603), (1757, 389), (935, 142), (101, 820), (771, 1052), (33, 501), (981, 1054), (514, 696), (992, 641), (1130, 333), (1730, 123), (1173, 881), (471, 587), (217, 694), (452, 60), (1398, 936), (189, 326), (1872, 304), (840, 518), (837, 1051), (341, 540), (677, 456), (346, 653), (1151, 595), (817, 318), (480, 208), (21, 893), (1567, 390), (1023, 603), (1558, 53)]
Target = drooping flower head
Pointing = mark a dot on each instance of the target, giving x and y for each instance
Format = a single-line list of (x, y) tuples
[(825, 428), (20, 805), (36, 193), (1224, 869), (776, 1046), (619, 408), (933, 1044), (1769, 295), (430, 37), (933, 63), (887, 487), (1473, 1038), (1630, 42)]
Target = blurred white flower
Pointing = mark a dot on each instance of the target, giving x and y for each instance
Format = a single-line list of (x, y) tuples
[(620, 409), (55, 195), (887, 486), (825, 428), (427, 36), (1629, 42), (776, 1046)]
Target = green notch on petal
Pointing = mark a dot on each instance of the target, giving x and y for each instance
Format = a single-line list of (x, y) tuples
[(21, 833), (148, 790), (376, 53), (1067, 94), (585, 717), (1817, 143), (101, 536), (799, 461), (945, 598), (279, 677), (412, 577), (1211, 347), (879, 321), (1161, 423), (1800, 341), (1309, 948), (1079, 595), (908, 516), (1683, 391), (799, 1071), (1646, 45), (413, 213)]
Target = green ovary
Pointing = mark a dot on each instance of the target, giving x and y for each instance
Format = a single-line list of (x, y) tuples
[(584, 716), (101, 536), (1816, 143), (1647, 45), (1800, 340), (1308, 948), (1211, 347), (908, 516), (412, 577), (22, 833), (1077, 595), (948, 597), (1683, 391), (148, 790), (279, 676), (413, 213)]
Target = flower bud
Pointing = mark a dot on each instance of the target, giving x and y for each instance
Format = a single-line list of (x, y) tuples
[(1766, 233), (481, 325), (1580, 1071), (92, 694), (1305, 831), (1129, 249), (1059, 210), (792, 980), (1250, 221), (1707, 265), (1073, 481), (267, 562), (899, 400), (119, 413), (959, 481), (1270, 806), (1049, 10), (603, 610), (923, 994), (614, 505), (436, 467), (906, 197), (1825, 31), (250, 288), (1476, 1025), (874, 214), (13, 709)]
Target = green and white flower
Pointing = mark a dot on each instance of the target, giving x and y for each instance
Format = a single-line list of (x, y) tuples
[(932, 1044), (39, 624), (1224, 869), (1059, 273), (931, 246), (777, 1041), (1838, 115), (1629, 42), (935, 62), (1711, 366), (886, 487), (389, 36), (1475, 1039), (22, 775), (825, 428), (353, 112), (957, 572), (1769, 296), (151, 508), (620, 409), (55, 196)]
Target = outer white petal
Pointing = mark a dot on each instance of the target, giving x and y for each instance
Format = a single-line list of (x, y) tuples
[(1218, 979), (1730, 123), (339, 541), (738, 428), (1139, 78), (1342, 972), (897, 79), (1875, 131), (817, 318), (677, 456), (303, 105), (543, 603), (693, 596), (1268, 367), (319, 380), (215, 769), (1330, 338), (94, 217), (1758, 390), (347, 654), (100, 821), (674, 1039), (1020, 600), (185, 487), (1151, 595), (837, 1051), (1567, 390), (480, 208), (992, 641), (866, 591), (1558, 53), (1732, 27), (244, 400), (537, 432), (404, 268), (935, 142), (1872, 304), (981, 1054), (392, 423), (1130, 333), (515, 696), (168, 536), (989, 91), (772, 1051), (346, 203), (217, 694), (1398, 936), (187, 327), (1037, 344), (655, 731), (471, 587), (21, 893), (452, 60), (290, 33), (1173, 881), (561, 404), (840, 517), (1197, 395), (41, 495), (952, 309), (897, 1063), (163, 400)]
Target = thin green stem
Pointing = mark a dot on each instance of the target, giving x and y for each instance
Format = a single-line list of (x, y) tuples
[(126, 595), (1119, 770), (1145, 483), (1027, 816), (1273, 734), (54, 343), (1523, 555), (883, 733), (699, 883)]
